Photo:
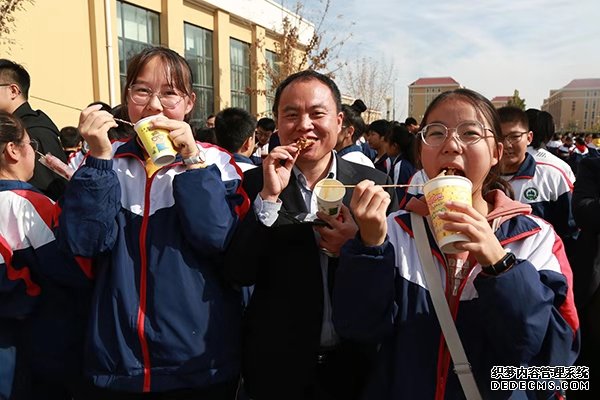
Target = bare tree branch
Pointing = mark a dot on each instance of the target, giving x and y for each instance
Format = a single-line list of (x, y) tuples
[(8, 8), (369, 80)]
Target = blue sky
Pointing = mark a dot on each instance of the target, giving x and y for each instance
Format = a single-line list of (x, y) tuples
[(491, 46)]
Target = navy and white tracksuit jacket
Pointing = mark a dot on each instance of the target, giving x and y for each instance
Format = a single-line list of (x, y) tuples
[(524, 317), (548, 190), (162, 318), (43, 292)]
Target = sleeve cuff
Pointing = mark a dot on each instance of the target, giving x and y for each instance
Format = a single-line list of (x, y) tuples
[(266, 211), (98, 163)]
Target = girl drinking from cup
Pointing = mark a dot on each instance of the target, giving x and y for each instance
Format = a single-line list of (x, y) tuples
[(508, 289), (163, 321)]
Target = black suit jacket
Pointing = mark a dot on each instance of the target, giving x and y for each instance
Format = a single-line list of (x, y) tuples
[(41, 128), (282, 324)]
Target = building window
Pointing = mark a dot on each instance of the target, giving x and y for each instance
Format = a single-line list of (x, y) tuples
[(137, 28), (240, 74), (199, 54), (271, 60)]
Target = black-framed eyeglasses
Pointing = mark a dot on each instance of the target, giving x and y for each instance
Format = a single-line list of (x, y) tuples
[(514, 137), (141, 96), (467, 133)]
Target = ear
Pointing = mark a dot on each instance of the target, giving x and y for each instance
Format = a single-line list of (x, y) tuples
[(497, 153), (248, 143), (190, 101), (529, 137), (350, 131), (12, 152), (15, 91), (340, 121)]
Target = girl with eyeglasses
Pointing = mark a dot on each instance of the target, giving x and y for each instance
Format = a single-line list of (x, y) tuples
[(509, 290), (163, 322), (43, 293)]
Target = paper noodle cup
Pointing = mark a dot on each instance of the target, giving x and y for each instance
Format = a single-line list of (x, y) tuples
[(330, 193), (156, 142), (438, 191)]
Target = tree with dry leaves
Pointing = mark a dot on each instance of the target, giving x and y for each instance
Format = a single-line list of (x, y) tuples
[(8, 8), (292, 54), (369, 80)]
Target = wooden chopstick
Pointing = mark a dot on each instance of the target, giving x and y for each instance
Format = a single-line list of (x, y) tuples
[(385, 186)]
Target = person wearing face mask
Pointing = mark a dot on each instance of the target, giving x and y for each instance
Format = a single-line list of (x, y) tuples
[(508, 289), (164, 324)]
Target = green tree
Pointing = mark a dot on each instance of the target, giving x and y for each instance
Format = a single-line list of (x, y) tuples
[(516, 101)]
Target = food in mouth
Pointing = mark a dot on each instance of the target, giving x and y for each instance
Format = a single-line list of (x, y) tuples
[(304, 143), (450, 171)]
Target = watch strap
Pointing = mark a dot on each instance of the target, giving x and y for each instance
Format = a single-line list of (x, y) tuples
[(501, 266), (199, 158)]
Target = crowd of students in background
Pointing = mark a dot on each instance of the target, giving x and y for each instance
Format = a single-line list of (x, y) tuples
[(134, 273)]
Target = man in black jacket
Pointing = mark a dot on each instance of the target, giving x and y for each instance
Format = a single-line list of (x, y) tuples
[(14, 93), (290, 348)]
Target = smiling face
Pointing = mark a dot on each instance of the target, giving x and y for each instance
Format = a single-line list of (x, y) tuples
[(307, 109), (154, 77), (473, 161)]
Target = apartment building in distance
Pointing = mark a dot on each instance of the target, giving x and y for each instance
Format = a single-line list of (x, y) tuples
[(500, 101), (77, 51), (422, 91), (576, 106)]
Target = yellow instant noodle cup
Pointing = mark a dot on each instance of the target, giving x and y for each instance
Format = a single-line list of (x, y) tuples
[(438, 191), (156, 142), (330, 193)]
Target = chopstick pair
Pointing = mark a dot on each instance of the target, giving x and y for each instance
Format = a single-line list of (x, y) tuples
[(385, 186)]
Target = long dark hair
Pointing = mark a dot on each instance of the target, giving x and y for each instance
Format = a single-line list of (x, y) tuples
[(488, 112)]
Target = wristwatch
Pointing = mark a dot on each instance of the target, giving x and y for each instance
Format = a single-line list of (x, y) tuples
[(501, 266), (199, 158)]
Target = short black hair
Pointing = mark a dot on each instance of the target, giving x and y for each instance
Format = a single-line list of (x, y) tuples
[(266, 123), (515, 115), (69, 137), (12, 72), (381, 127), (232, 127), (307, 75), (410, 121), (206, 135)]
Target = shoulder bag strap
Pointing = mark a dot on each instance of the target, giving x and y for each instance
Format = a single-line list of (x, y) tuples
[(462, 368)]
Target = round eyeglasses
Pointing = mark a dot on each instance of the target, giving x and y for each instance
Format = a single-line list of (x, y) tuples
[(467, 132), (141, 95), (514, 137)]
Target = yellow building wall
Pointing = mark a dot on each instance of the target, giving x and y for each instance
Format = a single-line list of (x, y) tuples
[(63, 46), (53, 44)]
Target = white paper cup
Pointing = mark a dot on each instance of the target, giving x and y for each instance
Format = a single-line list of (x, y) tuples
[(437, 192), (330, 193), (156, 142)]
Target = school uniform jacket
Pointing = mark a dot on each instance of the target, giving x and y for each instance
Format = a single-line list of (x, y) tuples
[(548, 190), (162, 318), (524, 317), (42, 288)]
